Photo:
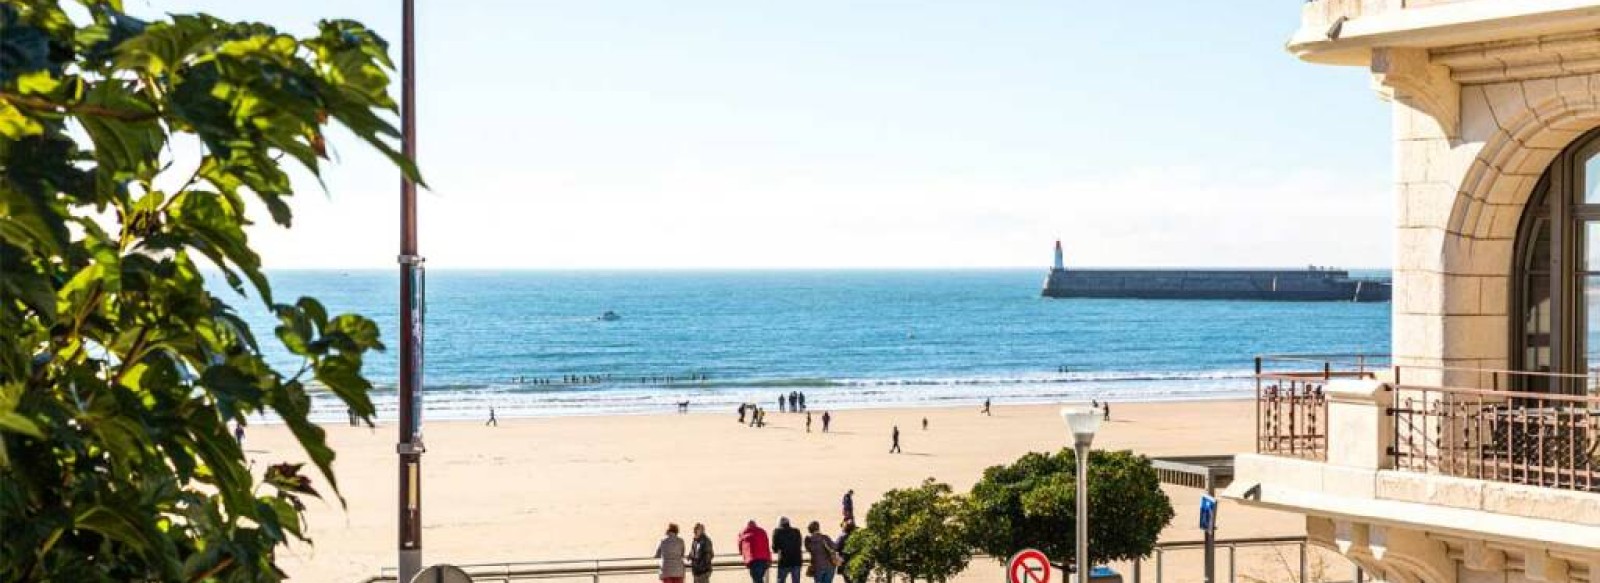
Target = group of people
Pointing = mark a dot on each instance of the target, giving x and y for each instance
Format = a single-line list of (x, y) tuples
[(580, 379), (794, 402), (758, 416), (820, 556), (1105, 408)]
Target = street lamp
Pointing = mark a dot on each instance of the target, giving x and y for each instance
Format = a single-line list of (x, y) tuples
[(1082, 421)]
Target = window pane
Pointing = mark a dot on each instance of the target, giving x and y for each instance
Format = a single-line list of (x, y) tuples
[(1591, 180), (1591, 246), (1536, 324), (1539, 252), (1591, 324)]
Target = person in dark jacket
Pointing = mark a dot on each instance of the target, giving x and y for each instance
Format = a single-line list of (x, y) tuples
[(821, 551), (786, 542), (848, 504), (700, 555), (845, 529)]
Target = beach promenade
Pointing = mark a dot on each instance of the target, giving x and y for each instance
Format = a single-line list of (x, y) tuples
[(588, 487)]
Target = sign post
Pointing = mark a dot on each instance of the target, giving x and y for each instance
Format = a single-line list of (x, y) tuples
[(1028, 566), (1208, 525)]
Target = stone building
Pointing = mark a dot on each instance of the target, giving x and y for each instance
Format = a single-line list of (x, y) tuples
[(1473, 454)]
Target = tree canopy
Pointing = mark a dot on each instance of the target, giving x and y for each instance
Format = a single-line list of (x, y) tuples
[(1033, 503), (120, 372), (914, 531)]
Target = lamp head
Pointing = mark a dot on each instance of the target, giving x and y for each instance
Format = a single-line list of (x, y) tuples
[(1082, 421)]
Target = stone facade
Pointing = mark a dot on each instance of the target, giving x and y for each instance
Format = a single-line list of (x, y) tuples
[(1485, 94)]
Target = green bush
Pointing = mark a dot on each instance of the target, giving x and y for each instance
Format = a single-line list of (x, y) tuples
[(1033, 503), (914, 531)]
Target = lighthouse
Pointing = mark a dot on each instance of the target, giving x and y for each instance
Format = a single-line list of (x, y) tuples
[(1059, 264)]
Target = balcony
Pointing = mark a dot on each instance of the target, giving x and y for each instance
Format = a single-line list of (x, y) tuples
[(1543, 439), (1428, 472)]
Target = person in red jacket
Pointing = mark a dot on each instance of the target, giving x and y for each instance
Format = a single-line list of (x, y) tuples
[(756, 550)]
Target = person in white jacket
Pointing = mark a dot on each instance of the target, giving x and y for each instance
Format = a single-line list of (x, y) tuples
[(670, 551)]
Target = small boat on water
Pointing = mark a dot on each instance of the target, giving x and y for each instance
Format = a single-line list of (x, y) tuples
[(609, 316)]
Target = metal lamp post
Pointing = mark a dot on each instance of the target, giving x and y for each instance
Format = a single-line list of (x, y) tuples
[(1082, 421), (412, 289)]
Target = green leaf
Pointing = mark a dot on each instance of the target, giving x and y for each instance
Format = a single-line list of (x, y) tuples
[(37, 82), (128, 139), (14, 124), (166, 45), (115, 524)]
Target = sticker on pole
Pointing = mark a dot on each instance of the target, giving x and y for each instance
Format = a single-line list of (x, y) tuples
[(1029, 566)]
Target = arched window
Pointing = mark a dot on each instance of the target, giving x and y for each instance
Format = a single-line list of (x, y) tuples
[(1556, 322)]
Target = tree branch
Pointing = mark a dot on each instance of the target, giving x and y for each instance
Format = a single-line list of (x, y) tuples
[(41, 105)]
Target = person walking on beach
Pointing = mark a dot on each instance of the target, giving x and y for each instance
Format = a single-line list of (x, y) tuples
[(238, 434), (803, 402), (492, 420), (808, 422), (700, 555), (848, 504), (753, 548), (741, 413), (924, 423), (782, 404), (986, 407), (895, 437), (786, 542), (826, 418), (1107, 408), (670, 551), (845, 530), (822, 554)]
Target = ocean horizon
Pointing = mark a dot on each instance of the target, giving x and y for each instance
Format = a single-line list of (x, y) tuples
[(531, 342)]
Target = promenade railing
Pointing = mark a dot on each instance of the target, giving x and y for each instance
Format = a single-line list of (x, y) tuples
[(594, 570), (1531, 428)]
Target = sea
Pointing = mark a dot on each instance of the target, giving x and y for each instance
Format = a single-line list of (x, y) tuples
[(533, 343)]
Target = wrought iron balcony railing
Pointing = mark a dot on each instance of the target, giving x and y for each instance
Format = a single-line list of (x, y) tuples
[(1537, 429)]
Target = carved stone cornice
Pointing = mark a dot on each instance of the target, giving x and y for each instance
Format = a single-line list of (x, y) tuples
[(1408, 76)]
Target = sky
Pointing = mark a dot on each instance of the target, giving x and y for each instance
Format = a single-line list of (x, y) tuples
[(852, 134)]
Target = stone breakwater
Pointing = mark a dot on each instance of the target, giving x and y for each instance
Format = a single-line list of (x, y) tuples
[(1303, 285)]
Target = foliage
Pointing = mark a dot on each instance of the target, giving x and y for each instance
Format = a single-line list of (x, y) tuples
[(915, 531), (119, 372), (1033, 503)]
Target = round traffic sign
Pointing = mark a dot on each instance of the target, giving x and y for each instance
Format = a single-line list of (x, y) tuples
[(1029, 566), (442, 574)]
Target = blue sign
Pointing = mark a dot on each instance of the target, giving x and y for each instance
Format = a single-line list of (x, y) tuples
[(1208, 512)]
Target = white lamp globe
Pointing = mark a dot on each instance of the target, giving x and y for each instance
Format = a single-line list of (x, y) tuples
[(1082, 421)]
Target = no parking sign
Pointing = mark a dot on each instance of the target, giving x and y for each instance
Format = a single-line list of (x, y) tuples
[(1029, 566)]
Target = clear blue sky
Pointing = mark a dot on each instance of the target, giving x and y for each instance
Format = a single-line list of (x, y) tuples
[(729, 133)]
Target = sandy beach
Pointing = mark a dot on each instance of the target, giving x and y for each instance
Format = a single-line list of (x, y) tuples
[(590, 487)]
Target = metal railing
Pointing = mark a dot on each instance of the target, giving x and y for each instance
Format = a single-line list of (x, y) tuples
[(595, 569), (1291, 407), (1232, 546), (1533, 428), (1537, 439)]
